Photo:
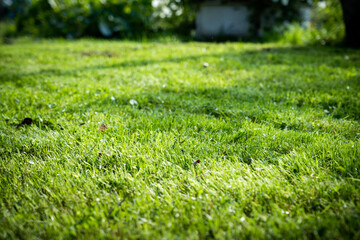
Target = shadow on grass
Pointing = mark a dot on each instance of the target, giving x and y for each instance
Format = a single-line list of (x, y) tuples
[(251, 101), (249, 59), (235, 103)]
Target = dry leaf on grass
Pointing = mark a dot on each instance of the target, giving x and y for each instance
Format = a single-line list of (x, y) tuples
[(103, 127)]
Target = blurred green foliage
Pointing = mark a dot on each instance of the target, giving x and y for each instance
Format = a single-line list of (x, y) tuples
[(326, 27), (175, 16), (272, 20), (73, 19), (327, 23)]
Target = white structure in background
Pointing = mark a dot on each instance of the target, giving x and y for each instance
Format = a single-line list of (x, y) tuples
[(216, 19)]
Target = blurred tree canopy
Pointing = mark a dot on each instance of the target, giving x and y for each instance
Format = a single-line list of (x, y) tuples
[(79, 18), (138, 18), (328, 20)]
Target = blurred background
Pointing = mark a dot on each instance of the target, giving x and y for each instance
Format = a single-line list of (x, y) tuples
[(288, 21)]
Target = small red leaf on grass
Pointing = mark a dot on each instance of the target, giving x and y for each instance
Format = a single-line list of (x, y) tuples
[(103, 127)]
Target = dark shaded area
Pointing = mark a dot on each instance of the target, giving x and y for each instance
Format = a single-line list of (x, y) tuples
[(351, 10), (47, 124), (26, 121)]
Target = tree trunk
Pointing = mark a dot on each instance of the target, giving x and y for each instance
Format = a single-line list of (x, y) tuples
[(351, 13)]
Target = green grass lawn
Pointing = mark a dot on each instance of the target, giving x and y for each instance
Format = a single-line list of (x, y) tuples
[(274, 131)]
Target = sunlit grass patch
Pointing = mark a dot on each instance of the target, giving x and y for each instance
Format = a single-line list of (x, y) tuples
[(203, 140)]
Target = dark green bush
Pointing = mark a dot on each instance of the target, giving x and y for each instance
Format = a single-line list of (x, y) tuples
[(74, 19)]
